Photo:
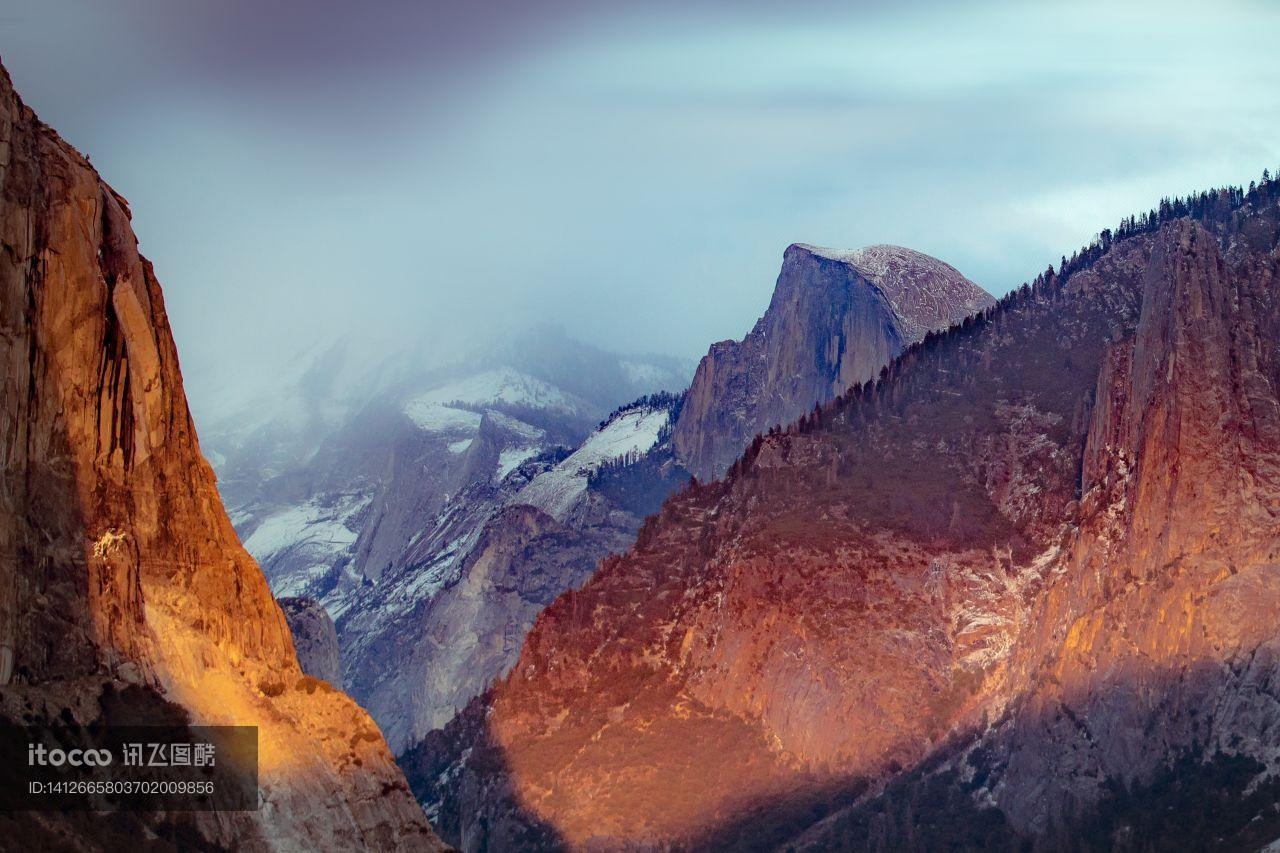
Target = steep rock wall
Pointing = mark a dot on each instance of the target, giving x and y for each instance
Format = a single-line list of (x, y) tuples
[(119, 565)]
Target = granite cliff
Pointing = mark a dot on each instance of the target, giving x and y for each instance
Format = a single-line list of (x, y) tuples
[(314, 638), (452, 616), (120, 573)]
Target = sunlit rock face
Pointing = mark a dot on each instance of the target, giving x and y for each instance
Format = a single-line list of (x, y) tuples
[(120, 573), (1023, 590), (836, 318)]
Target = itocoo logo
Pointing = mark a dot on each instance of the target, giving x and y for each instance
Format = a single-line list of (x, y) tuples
[(38, 753)]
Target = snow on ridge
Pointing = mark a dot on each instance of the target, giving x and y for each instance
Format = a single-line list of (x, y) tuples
[(632, 431), (434, 410), (503, 385), (926, 293), (883, 260), (434, 417), (511, 459), (316, 532), (308, 523)]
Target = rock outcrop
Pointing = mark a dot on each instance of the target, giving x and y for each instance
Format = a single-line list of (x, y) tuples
[(119, 569), (314, 638), (836, 318), (1021, 591)]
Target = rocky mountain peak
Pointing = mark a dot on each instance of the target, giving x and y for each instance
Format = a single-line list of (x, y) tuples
[(836, 318), (928, 294)]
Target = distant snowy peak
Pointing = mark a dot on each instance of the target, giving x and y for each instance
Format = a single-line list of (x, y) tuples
[(458, 407), (924, 292)]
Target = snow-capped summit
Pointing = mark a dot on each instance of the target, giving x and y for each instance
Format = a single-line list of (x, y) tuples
[(501, 386), (926, 293)]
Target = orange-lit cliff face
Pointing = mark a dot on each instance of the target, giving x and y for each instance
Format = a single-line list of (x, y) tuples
[(120, 570), (1039, 560), (1160, 628)]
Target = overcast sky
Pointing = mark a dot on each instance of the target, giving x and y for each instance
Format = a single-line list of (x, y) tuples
[(300, 170)]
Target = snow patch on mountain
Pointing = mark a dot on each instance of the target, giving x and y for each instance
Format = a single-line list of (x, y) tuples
[(884, 263), (434, 417), (924, 292), (449, 408), (632, 431), (511, 459), (526, 431), (317, 533)]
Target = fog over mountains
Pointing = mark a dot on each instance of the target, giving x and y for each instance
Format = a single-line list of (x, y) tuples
[(645, 427), (423, 170)]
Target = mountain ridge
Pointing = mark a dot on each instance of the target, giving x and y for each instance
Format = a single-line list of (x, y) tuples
[(591, 503), (903, 544)]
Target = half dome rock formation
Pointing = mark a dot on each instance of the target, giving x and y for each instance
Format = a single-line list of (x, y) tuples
[(1022, 592), (120, 573), (836, 318)]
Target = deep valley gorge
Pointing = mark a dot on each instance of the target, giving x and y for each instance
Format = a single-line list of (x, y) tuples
[(512, 554)]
